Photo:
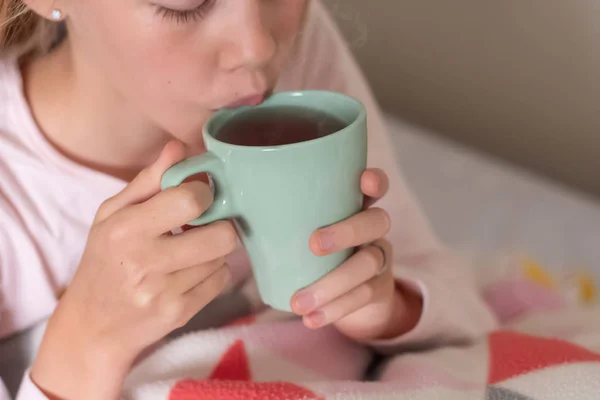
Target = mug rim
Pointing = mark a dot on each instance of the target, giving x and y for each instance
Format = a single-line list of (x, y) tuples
[(206, 130)]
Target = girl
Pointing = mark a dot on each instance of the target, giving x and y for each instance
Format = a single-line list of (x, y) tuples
[(99, 98)]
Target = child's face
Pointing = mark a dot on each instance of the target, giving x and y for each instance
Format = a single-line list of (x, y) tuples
[(177, 69)]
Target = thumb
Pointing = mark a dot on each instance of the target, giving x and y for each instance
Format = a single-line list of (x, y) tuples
[(146, 184)]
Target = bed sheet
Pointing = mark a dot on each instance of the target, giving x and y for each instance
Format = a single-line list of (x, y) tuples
[(479, 204)]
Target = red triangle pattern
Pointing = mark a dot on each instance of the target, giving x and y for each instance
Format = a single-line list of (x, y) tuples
[(232, 390), (513, 354), (233, 365), (231, 380), (249, 320)]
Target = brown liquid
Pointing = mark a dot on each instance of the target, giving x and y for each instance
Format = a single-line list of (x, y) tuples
[(278, 126)]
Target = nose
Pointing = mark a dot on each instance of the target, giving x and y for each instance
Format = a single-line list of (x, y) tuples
[(251, 44)]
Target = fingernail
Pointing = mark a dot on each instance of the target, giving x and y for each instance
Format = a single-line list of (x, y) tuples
[(304, 302), (326, 240), (317, 319)]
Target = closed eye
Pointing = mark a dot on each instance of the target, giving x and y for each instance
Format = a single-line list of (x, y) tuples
[(184, 16)]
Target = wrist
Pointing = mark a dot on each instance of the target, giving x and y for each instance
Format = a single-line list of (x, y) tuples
[(407, 308), (72, 364)]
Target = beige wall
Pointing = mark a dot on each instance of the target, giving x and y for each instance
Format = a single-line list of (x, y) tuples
[(517, 78)]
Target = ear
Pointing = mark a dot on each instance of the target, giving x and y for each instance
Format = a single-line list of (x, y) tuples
[(49, 9)]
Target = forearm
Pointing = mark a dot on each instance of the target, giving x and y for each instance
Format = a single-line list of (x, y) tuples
[(406, 311), (72, 366), (388, 317), (453, 311)]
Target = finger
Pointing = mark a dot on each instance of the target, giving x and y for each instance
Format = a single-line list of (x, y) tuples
[(347, 304), (146, 184), (359, 229), (200, 295), (169, 209), (196, 246), (359, 268), (184, 280), (374, 184), (158, 285)]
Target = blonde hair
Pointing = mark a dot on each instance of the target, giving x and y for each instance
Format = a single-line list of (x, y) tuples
[(23, 31)]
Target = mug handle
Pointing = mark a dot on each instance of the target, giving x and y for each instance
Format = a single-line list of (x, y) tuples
[(212, 165)]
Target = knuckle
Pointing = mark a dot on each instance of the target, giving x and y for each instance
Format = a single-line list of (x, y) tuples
[(131, 255), (104, 209), (144, 298), (117, 232), (135, 269), (111, 236), (136, 264)]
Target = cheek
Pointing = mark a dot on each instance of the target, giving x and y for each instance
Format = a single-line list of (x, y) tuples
[(290, 18), (288, 21), (144, 57), (178, 65)]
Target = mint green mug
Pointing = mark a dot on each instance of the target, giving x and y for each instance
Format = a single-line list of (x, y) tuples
[(278, 196)]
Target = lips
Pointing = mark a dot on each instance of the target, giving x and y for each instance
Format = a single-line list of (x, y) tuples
[(253, 100)]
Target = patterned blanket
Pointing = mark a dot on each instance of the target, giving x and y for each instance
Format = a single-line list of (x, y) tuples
[(548, 348)]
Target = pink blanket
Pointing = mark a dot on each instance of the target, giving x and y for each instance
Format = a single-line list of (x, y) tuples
[(548, 348)]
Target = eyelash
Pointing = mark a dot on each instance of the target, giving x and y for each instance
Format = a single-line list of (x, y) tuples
[(182, 17)]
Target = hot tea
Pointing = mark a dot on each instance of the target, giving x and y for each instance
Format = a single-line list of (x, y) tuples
[(278, 126)]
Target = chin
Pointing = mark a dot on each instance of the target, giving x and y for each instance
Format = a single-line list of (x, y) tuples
[(183, 117), (192, 135)]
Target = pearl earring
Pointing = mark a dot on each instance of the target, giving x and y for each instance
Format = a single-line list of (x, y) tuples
[(56, 15)]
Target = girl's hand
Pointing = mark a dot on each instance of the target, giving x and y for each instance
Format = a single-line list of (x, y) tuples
[(135, 284), (360, 297)]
